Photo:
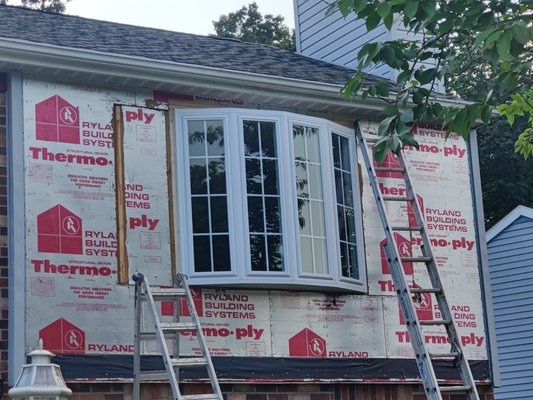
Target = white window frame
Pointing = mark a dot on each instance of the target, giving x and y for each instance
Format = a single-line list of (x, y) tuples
[(241, 275)]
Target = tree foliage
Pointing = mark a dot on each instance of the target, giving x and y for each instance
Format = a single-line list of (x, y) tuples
[(249, 25), (499, 31), (56, 6)]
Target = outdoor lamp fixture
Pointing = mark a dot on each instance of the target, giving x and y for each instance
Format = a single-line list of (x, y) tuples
[(40, 380)]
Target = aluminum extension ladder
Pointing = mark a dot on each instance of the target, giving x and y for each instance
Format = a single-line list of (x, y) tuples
[(159, 331), (406, 294)]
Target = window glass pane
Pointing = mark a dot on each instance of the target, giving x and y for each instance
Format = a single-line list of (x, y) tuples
[(347, 185), (336, 152), (209, 211), (219, 214), (217, 175), (304, 216), (263, 191), (255, 214), (345, 209), (306, 252), (221, 257), (299, 142), (302, 185), (317, 214), (202, 254), (319, 248), (198, 175), (275, 259), (196, 138), (215, 138), (258, 252), (315, 181), (254, 180), (251, 138), (273, 214), (270, 176), (345, 153), (313, 145), (310, 199), (268, 139), (200, 215)]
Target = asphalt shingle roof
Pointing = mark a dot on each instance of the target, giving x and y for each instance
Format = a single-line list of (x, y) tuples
[(82, 33)]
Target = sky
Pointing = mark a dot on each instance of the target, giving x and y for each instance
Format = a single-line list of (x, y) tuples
[(191, 16)]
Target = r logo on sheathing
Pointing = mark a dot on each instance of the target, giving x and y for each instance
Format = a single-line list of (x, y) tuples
[(307, 343), (59, 231), (56, 120), (63, 337)]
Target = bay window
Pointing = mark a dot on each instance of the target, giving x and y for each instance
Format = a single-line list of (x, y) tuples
[(267, 199)]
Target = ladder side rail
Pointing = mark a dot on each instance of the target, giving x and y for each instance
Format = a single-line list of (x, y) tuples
[(444, 308), (181, 280), (161, 341), (423, 360), (137, 343)]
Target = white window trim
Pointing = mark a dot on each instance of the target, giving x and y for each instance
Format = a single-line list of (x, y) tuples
[(241, 275)]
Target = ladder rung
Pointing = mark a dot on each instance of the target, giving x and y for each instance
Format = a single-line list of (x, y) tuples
[(417, 259), (189, 362), (210, 396), (178, 326), (371, 139), (396, 198), (436, 322), (407, 228), (443, 356), (389, 169), (455, 388), (166, 293), (425, 290)]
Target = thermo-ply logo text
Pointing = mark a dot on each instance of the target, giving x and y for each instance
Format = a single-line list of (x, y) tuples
[(63, 337), (404, 250), (56, 120), (140, 116), (59, 231)]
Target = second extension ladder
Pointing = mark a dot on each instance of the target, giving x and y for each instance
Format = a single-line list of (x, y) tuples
[(424, 359), (151, 298)]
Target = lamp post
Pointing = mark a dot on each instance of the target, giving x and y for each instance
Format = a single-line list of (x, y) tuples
[(40, 380)]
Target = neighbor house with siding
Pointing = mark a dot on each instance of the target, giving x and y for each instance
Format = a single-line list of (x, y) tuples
[(510, 252)]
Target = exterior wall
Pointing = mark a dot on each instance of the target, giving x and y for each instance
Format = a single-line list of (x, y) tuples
[(269, 392), (333, 39), (3, 236), (337, 40), (511, 275)]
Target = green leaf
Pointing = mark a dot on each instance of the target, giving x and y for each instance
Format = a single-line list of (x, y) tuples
[(390, 110), (385, 125), (418, 98), (484, 36), (380, 153), (504, 44), (410, 9), (407, 115), (372, 21), (408, 139), (427, 76), (429, 9), (486, 113), (382, 90), (388, 20), (521, 32), (383, 9), (359, 5)]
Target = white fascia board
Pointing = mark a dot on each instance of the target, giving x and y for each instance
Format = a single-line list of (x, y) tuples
[(519, 211), (45, 56)]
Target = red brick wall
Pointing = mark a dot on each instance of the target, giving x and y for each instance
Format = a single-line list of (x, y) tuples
[(3, 233)]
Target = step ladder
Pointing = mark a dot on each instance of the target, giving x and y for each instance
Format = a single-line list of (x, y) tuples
[(407, 295), (151, 298)]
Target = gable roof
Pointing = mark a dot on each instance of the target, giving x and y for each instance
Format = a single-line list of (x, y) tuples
[(156, 44), (520, 211)]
